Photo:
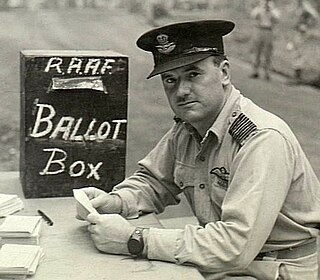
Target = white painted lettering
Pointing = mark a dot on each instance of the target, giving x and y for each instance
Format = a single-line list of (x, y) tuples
[(106, 65), (117, 128), (100, 134), (54, 62), (94, 171), (73, 136), (39, 119), (75, 63), (65, 129), (93, 65), (51, 161), (87, 135), (73, 166)]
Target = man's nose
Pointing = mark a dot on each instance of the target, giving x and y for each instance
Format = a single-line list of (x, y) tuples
[(184, 88)]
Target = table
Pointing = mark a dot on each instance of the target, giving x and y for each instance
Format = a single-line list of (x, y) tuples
[(70, 252)]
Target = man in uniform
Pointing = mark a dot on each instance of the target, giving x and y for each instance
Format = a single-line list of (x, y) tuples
[(307, 18), (240, 167), (266, 15)]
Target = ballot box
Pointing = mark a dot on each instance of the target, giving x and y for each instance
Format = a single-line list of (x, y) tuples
[(73, 120)]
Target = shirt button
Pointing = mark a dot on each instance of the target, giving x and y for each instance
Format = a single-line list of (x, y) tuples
[(234, 114), (181, 184), (202, 158), (202, 186)]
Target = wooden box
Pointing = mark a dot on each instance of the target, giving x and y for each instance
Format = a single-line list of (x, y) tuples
[(73, 121)]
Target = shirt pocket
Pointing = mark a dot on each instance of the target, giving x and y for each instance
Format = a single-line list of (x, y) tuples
[(219, 189), (184, 178), (184, 175)]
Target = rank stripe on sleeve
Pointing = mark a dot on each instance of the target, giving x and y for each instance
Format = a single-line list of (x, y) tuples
[(241, 128)]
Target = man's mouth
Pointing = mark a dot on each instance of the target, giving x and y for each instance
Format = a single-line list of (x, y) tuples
[(186, 103)]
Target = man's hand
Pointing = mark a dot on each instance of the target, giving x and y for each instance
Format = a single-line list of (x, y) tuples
[(104, 203), (110, 233)]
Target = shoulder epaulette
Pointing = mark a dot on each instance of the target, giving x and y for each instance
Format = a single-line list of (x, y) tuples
[(242, 128)]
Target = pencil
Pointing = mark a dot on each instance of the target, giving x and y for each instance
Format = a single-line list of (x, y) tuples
[(46, 218)]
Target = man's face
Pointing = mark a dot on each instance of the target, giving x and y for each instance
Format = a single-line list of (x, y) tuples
[(196, 93)]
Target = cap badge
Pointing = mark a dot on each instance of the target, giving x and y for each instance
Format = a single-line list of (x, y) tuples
[(165, 47)]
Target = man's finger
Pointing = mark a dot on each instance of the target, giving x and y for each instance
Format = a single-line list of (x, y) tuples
[(89, 191), (91, 228), (98, 201), (93, 218)]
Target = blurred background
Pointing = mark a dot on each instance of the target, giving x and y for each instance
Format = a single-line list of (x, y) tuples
[(116, 24)]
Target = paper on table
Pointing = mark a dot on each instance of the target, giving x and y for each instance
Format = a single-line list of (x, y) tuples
[(84, 206), (19, 259), (19, 226), (7, 198), (32, 239), (9, 203)]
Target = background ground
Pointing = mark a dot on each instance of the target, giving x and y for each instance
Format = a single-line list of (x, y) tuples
[(149, 116)]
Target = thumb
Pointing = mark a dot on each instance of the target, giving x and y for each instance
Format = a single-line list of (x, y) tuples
[(98, 201), (93, 218)]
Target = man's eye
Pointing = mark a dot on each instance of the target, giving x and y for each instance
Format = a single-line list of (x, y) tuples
[(170, 80), (193, 74)]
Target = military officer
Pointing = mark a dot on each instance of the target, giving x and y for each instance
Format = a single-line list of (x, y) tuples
[(266, 15), (240, 167)]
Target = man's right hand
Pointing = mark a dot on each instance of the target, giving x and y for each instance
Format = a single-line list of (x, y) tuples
[(104, 203)]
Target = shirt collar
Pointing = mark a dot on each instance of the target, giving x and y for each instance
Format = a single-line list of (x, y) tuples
[(219, 127), (230, 110)]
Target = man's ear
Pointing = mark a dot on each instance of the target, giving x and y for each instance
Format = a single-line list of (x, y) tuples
[(225, 73)]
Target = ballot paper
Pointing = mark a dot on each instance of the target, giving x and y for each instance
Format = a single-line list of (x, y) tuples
[(9, 204), (84, 206), (21, 230), (18, 260)]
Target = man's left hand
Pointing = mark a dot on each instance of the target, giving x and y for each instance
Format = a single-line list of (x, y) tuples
[(110, 232)]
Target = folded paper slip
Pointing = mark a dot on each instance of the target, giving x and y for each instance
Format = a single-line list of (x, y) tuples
[(9, 204), (19, 259), (84, 206), (20, 226)]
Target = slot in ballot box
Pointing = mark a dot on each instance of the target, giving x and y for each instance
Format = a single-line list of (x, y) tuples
[(73, 120)]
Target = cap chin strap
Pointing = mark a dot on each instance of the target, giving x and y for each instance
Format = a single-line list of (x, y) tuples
[(194, 50)]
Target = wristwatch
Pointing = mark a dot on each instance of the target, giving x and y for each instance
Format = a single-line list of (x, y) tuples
[(135, 242)]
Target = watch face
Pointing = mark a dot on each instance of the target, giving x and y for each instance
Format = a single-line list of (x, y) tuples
[(135, 247)]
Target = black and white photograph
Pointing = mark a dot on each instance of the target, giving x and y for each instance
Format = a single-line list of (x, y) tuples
[(160, 139)]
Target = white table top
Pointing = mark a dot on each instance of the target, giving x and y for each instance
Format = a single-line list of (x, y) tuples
[(70, 252)]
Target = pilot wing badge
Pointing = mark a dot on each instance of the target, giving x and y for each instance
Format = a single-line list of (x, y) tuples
[(221, 177)]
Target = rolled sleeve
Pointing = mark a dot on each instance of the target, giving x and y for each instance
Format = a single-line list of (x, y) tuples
[(129, 209), (163, 244)]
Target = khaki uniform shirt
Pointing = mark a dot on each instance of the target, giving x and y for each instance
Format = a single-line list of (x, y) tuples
[(248, 182), (265, 18)]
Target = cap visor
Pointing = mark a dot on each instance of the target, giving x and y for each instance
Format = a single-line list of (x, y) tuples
[(177, 63)]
